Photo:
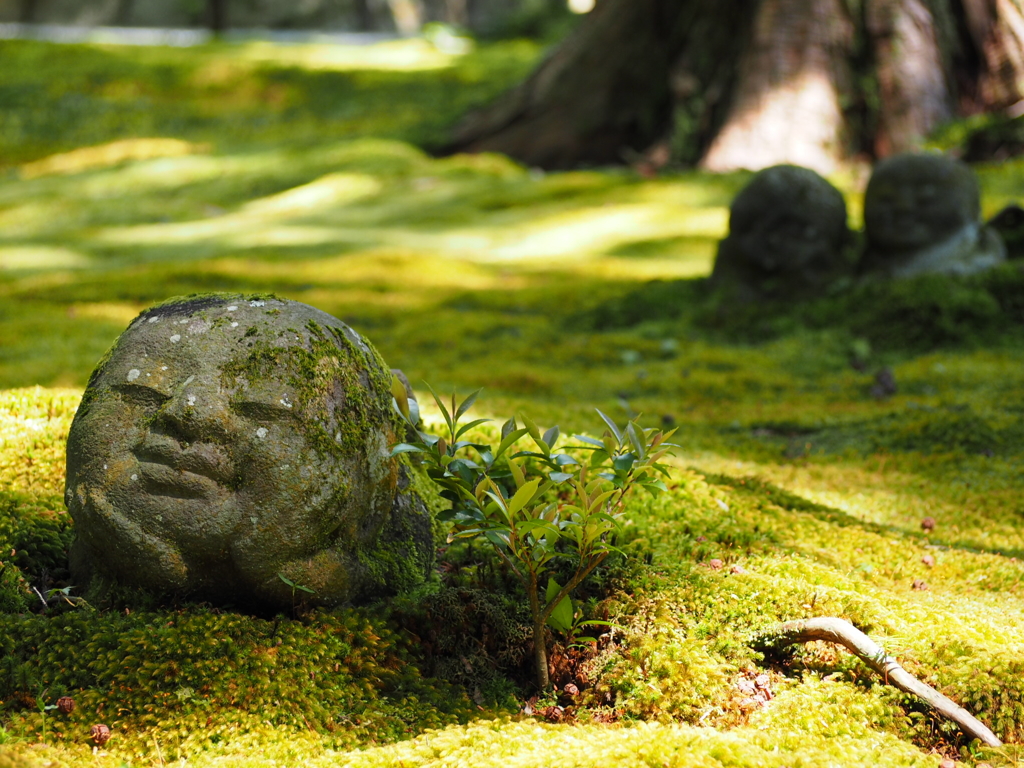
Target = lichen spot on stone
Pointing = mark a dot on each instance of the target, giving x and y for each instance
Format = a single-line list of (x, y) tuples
[(135, 477), (261, 432), (232, 308), (234, 324), (188, 381), (191, 400), (154, 319), (133, 374), (163, 367), (257, 303), (286, 402), (199, 327), (175, 338)]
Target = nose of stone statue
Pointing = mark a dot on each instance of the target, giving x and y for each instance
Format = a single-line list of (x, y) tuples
[(198, 411)]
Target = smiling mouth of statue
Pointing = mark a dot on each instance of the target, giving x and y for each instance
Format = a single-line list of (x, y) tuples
[(178, 475)]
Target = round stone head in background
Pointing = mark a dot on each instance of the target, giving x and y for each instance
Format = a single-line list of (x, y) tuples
[(787, 236), (229, 445), (922, 215)]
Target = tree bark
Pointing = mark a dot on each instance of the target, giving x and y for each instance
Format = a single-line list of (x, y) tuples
[(217, 15), (914, 90), (1000, 39), (604, 93), (27, 11), (364, 17), (793, 79), (753, 83)]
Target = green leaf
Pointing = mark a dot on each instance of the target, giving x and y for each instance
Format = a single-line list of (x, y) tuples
[(588, 440), (507, 441), (400, 395), (637, 443), (523, 496), (517, 473), (444, 411), (532, 428), (624, 463), (551, 436), (507, 427), (304, 588), (654, 486), (286, 580), (611, 426), (497, 539), (562, 614), (466, 404), (559, 477), (405, 448), (466, 427)]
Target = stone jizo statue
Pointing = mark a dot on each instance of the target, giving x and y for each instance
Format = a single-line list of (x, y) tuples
[(922, 215), (227, 441), (787, 237)]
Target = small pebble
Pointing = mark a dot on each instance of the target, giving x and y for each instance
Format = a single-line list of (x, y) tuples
[(737, 569), (919, 585), (928, 560), (715, 564), (928, 524)]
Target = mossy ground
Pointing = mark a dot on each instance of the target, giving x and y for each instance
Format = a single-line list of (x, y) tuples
[(132, 175)]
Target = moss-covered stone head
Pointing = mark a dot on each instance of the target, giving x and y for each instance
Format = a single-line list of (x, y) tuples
[(914, 200), (226, 441), (787, 234), (922, 214)]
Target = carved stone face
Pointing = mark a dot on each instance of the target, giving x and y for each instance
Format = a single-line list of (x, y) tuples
[(787, 226), (916, 200), (226, 441)]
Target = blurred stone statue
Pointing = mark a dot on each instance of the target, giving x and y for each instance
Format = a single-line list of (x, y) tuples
[(922, 215), (1009, 224), (227, 444), (787, 237)]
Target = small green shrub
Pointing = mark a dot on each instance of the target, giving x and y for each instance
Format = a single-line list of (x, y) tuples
[(526, 504)]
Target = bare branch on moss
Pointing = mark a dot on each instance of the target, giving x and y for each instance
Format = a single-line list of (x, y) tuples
[(835, 630)]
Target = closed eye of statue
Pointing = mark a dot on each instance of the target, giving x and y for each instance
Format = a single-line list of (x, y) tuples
[(142, 395), (263, 410)]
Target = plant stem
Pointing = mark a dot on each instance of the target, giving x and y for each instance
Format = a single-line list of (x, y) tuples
[(540, 649)]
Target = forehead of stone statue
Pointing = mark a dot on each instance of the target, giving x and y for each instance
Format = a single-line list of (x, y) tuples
[(926, 182), (221, 342), (784, 192)]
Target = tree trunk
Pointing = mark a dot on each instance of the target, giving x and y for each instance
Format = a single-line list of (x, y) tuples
[(217, 15), (604, 93), (408, 16), (1000, 40), (753, 83), (27, 11), (914, 90), (364, 16), (794, 77)]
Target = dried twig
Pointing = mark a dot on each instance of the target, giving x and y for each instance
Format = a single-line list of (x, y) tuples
[(835, 630)]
